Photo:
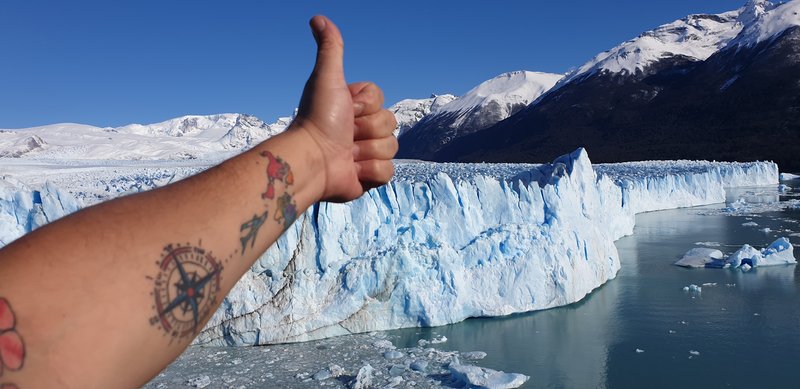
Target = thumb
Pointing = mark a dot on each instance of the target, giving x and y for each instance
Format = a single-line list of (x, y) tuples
[(330, 47)]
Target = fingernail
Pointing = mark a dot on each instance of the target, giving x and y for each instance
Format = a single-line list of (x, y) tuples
[(318, 24), (358, 108)]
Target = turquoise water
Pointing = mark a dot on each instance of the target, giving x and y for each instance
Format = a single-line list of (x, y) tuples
[(743, 330)]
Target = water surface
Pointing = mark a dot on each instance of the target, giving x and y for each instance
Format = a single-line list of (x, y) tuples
[(740, 332)]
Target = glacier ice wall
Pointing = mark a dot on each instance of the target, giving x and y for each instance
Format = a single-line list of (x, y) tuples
[(23, 209), (445, 242), (439, 244)]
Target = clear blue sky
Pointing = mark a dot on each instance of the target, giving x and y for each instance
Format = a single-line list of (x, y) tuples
[(110, 63)]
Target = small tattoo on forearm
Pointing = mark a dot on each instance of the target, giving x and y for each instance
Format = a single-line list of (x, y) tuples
[(185, 289), (277, 170), (252, 227), (287, 210), (12, 347)]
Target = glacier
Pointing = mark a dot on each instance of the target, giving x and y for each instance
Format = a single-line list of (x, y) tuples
[(440, 243), (445, 242)]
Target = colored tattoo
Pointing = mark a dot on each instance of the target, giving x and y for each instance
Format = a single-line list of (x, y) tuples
[(287, 210), (277, 169), (185, 290), (12, 347), (252, 227)]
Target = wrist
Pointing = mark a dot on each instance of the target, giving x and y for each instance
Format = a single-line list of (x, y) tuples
[(310, 159)]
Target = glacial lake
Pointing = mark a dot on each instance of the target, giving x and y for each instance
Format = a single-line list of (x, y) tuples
[(743, 326)]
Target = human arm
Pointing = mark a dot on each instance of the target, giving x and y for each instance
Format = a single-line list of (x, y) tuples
[(108, 296)]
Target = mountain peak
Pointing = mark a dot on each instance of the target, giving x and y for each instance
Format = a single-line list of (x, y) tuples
[(762, 20), (409, 112), (483, 106), (695, 37), (508, 89), (753, 10)]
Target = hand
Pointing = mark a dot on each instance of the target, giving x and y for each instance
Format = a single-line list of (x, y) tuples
[(347, 122)]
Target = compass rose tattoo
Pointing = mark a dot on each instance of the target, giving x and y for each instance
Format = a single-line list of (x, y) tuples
[(185, 289)]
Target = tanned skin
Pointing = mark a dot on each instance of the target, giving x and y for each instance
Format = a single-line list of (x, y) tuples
[(110, 295)]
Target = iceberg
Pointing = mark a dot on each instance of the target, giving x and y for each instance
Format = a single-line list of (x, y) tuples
[(481, 377), (780, 252), (700, 257), (441, 243)]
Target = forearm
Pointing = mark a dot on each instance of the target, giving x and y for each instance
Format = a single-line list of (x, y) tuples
[(153, 266)]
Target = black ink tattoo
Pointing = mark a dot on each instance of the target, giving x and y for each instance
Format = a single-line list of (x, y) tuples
[(185, 290), (252, 227)]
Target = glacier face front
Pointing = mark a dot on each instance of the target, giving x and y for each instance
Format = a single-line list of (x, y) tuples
[(439, 244), (445, 242)]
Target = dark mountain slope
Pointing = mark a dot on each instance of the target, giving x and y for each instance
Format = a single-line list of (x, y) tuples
[(742, 103)]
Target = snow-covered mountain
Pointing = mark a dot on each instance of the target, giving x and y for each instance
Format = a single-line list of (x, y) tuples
[(693, 38), (721, 86), (409, 112), (763, 20), (186, 137), (486, 104)]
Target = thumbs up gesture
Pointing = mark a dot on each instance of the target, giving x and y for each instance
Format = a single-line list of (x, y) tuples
[(347, 122)]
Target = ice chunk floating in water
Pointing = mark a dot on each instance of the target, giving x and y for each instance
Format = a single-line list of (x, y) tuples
[(780, 252), (699, 257), (481, 377)]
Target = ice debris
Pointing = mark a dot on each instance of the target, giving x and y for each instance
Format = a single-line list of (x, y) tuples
[(693, 289), (699, 257), (436, 340), (780, 252), (393, 354), (419, 365), (708, 244), (474, 355), (384, 344), (363, 379), (788, 176), (481, 377), (321, 375), (199, 382)]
